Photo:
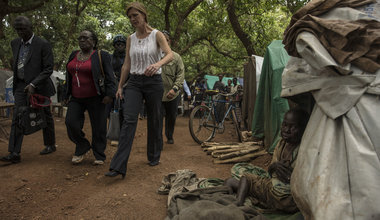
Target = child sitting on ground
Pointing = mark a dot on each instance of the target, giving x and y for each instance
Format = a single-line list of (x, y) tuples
[(272, 189)]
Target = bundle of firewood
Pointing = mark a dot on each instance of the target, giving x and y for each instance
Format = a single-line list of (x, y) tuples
[(233, 152)]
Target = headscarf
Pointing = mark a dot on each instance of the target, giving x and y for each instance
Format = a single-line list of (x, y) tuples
[(138, 6)]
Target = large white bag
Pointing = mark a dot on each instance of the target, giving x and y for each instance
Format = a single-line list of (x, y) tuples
[(337, 173)]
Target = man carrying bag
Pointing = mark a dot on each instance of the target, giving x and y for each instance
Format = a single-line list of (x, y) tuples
[(32, 68)]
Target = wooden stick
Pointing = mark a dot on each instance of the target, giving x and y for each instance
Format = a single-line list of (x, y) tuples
[(244, 158), (217, 153), (212, 144), (221, 147), (237, 154), (224, 147)]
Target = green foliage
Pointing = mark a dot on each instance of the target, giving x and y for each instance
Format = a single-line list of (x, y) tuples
[(204, 37)]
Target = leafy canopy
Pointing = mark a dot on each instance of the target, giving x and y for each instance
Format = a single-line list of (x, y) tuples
[(203, 31)]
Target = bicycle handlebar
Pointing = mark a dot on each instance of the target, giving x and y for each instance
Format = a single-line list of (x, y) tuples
[(217, 92)]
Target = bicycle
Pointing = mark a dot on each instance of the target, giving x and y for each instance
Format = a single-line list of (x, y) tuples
[(203, 122)]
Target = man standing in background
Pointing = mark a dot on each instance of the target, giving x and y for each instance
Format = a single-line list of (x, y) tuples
[(118, 56), (32, 67), (234, 88), (173, 75), (219, 85), (220, 106)]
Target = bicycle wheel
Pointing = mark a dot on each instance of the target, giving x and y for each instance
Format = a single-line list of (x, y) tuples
[(237, 127), (202, 124)]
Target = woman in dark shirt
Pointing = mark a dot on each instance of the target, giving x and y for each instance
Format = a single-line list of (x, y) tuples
[(88, 88)]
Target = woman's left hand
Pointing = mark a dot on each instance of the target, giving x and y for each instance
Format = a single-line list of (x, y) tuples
[(107, 100), (152, 69)]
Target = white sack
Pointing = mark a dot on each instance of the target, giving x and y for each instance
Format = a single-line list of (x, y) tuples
[(337, 173)]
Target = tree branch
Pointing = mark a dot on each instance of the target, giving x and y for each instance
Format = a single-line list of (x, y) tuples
[(191, 44), (182, 18), (11, 9), (153, 3), (226, 54), (166, 13), (79, 10), (6, 9), (191, 8), (244, 37)]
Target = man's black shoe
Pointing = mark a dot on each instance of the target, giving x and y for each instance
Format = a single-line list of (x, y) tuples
[(170, 141), (12, 157), (48, 150), (154, 163)]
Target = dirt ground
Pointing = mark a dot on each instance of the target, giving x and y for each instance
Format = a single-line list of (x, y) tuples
[(50, 187)]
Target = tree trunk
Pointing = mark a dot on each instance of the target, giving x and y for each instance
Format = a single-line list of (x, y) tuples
[(243, 37)]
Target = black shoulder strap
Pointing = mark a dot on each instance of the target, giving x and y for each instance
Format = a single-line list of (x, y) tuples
[(100, 62)]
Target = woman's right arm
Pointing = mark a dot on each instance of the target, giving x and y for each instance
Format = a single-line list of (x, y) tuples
[(124, 69)]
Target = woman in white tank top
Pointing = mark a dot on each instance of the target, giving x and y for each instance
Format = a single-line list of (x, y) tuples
[(142, 63)]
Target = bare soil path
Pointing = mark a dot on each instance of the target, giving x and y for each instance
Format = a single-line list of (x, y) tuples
[(50, 187)]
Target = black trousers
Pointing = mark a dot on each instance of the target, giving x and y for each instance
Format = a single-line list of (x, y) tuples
[(98, 118), (16, 136), (139, 88), (170, 110), (220, 108)]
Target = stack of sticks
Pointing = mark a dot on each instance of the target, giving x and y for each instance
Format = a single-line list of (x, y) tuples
[(233, 152)]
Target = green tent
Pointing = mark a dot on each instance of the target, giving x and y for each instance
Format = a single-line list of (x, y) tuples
[(269, 106)]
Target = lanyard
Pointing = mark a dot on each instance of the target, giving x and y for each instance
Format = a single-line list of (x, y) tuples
[(78, 64)]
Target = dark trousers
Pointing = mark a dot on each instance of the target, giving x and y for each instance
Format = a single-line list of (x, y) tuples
[(143, 110), (140, 88), (171, 110), (109, 107), (16, 135), (220, 108), (98, 118)]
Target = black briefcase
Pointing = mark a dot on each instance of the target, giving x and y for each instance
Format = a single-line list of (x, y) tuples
[(31, 120)]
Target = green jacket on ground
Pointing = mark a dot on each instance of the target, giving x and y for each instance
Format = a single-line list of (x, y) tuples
[(173, 75)]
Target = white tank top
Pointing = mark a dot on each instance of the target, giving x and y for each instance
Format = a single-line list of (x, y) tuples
[(144, 52)]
